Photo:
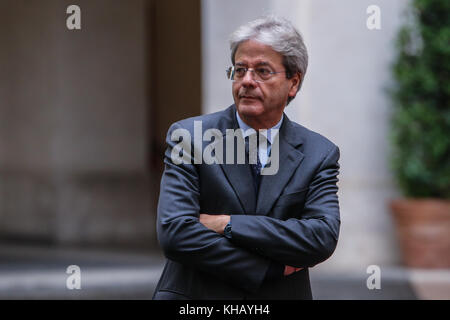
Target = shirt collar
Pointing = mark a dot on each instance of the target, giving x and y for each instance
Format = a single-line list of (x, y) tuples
[(245, 127)]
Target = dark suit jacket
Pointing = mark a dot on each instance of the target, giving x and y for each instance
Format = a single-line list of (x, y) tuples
[(294, 219)]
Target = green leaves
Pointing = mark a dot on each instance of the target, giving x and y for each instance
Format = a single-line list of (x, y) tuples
[(420, 131)]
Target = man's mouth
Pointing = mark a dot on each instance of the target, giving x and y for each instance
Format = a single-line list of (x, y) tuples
[(248, 97)]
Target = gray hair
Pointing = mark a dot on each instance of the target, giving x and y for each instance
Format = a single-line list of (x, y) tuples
[(279, 34)]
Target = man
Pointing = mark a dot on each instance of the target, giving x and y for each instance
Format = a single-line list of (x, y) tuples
[(229, 231)]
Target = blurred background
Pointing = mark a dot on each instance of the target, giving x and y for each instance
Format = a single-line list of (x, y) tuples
[(84, 114)]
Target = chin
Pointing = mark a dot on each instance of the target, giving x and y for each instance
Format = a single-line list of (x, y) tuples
[(250, 110)]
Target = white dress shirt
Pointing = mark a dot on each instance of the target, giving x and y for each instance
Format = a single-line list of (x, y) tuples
[(264, 149)]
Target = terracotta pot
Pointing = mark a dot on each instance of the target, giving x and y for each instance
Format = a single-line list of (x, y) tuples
[(423, 228)]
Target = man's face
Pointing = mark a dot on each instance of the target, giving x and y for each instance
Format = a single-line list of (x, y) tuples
[(261, 104)]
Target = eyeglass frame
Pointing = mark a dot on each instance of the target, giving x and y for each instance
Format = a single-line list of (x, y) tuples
[(230, 73)]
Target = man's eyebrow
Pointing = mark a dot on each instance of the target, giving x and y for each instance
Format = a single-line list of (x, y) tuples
[(261, 63)]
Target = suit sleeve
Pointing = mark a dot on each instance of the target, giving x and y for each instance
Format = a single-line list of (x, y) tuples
[(185, 240), (298, 242)]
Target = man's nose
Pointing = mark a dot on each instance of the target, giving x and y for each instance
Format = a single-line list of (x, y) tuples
[(249, 78)]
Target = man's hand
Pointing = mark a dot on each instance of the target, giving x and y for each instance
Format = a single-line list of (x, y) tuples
[(288, 270), (215, 222)]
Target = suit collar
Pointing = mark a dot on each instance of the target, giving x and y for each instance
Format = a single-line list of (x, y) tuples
[(268, 134), (287, 129)]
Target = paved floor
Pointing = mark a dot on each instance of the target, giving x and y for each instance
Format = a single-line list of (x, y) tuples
[(30, 272)]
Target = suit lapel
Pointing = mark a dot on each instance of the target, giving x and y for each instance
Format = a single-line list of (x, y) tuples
[(239, 175), (240, 178), (289, 159)]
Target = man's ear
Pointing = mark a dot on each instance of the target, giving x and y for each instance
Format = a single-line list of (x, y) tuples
[(296, 80)]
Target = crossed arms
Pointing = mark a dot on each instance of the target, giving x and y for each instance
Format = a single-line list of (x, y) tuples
[(218, 222)]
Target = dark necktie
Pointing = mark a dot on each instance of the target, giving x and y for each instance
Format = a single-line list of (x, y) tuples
[(256, 168), (256, 171)]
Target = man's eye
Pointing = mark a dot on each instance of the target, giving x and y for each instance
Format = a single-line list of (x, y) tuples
[(240, 71), (263, 71)]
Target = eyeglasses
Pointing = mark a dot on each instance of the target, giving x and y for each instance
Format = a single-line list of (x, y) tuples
[(260, 74)]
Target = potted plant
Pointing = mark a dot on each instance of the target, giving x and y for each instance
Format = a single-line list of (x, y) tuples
[(420, 135)]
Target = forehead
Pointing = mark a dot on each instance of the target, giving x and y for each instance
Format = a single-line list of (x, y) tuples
[(253, 52)]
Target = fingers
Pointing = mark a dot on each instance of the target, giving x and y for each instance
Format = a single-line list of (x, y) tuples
[(288, 270)]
